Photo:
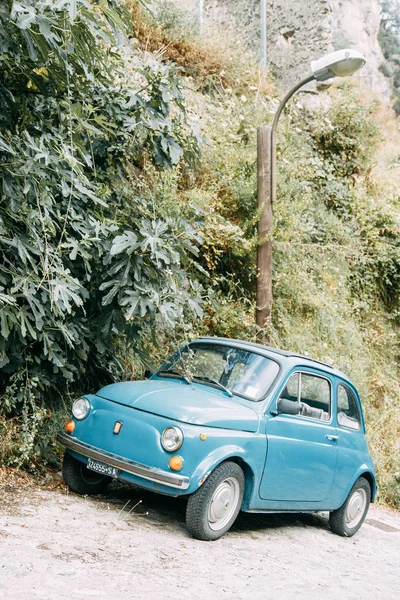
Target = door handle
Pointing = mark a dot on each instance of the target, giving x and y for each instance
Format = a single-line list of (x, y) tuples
[(333, 438)]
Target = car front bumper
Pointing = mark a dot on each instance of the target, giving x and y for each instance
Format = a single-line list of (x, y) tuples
[(124, 464)]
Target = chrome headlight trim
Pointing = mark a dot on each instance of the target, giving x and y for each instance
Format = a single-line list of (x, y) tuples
[(81, 408), (172, 439)]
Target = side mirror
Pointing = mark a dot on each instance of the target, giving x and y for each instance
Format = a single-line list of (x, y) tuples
[(147, 374), (288, 407)]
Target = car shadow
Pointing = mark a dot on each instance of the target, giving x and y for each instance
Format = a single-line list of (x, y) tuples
[(169, 513), (248, 522)]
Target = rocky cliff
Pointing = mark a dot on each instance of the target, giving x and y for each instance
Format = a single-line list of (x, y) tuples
[(298, 32), (355, 23)]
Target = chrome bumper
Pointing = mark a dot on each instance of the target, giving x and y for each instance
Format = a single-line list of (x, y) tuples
[(124, 464)]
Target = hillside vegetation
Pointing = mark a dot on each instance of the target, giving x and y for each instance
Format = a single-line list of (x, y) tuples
[(336, 231), (389, 40)]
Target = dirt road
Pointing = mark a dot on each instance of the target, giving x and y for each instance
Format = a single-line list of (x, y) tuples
[(57, 546)]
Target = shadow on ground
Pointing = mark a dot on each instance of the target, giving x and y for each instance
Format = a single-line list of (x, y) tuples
[(164, 511)]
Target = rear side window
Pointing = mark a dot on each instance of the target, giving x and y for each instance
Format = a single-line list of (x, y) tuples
[(348, 411)]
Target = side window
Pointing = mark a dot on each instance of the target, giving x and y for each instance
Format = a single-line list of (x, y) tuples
[(312, 392), (315, 397), (348, 412)]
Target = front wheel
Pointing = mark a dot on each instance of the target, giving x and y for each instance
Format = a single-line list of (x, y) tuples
[(81, 480), (213, 508), (347, 520)]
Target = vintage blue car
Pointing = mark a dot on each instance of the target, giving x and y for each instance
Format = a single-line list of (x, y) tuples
[(233, 426)]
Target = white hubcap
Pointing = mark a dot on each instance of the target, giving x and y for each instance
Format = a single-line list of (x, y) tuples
[(356, 508), (223, 503)]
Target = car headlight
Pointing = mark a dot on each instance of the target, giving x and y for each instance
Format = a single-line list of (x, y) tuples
[(80, 408), (172, 439)]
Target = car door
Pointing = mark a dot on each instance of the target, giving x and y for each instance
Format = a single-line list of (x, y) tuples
[(302, 448), (352, 446)]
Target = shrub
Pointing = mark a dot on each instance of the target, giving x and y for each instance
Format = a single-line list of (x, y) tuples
[(87, 262)]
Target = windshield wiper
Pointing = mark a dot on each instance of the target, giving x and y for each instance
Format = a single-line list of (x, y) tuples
[(215, 382), (176, 374)]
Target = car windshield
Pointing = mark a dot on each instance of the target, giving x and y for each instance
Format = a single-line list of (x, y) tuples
[(232, 369)]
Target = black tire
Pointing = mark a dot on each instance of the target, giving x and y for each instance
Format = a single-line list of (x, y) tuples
[(221, 494), (347, 519), (81, 480)]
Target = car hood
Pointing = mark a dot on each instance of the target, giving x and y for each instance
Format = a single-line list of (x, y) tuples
[(196, 403)]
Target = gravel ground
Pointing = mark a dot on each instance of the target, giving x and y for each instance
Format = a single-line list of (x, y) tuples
[(56, 545)]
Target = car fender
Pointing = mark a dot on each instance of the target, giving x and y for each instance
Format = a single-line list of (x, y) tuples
[(363, 471), (222, 454)]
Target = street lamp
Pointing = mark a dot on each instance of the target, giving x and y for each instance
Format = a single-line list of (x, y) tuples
[(341, 63)]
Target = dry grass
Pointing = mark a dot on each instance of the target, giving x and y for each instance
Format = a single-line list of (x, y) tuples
[(386, 171), (212, 61)]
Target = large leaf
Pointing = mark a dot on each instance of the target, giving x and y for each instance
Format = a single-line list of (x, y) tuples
[(124, 243), (90, 255)]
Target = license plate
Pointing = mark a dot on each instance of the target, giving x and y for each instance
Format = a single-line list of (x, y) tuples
[(99, 467)]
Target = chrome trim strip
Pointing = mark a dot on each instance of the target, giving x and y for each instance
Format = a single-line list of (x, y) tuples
[(152, 474)]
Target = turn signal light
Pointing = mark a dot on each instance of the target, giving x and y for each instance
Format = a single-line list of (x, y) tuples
[(176, 463), (69, 426)]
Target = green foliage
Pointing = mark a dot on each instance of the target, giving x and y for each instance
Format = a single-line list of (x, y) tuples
[(385, 69), (87, 260), (179, 23), (389, 39), (390, 27), (347, 136), (337, 261), (335, 247), (109, 238), (396, 106)]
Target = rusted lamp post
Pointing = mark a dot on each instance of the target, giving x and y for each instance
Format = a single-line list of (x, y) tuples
[(341, 63)]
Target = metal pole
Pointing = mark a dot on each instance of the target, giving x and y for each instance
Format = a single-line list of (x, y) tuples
[(274, 128), (200, 9), (264, 249), (263, 32), (266, 195)]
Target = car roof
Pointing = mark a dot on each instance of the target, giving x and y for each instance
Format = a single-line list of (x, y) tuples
[(306, 360)]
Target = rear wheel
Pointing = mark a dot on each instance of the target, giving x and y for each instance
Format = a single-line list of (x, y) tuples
[(347, 520), (213, 508), (80, 479)]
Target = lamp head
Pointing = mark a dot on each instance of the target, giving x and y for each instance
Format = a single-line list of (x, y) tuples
[(341, 63)]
